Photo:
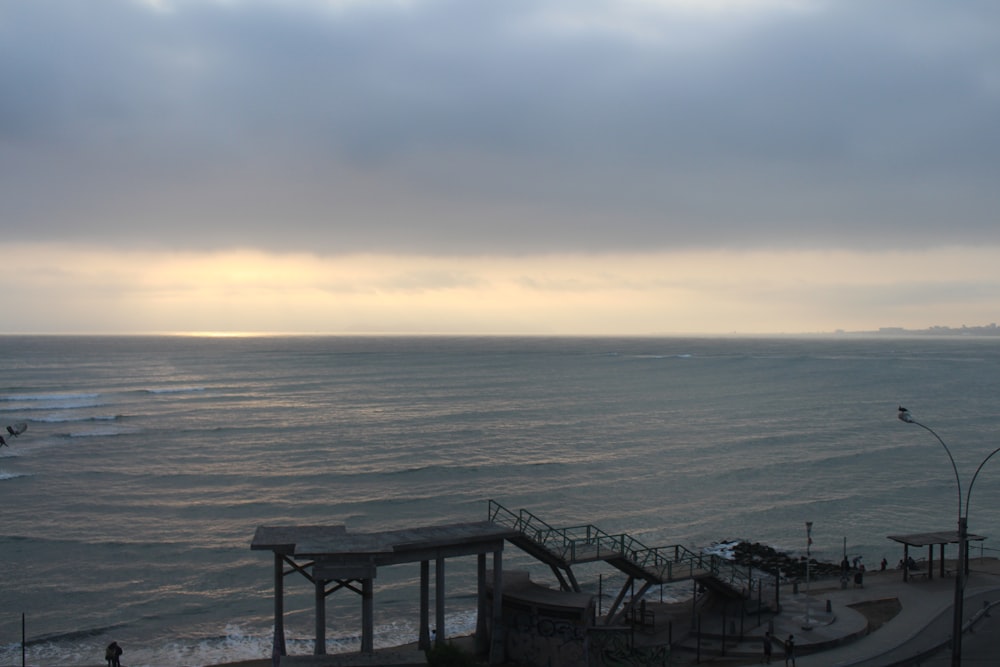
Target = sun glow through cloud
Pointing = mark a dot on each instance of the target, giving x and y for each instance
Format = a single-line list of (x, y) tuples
[(690, 292)]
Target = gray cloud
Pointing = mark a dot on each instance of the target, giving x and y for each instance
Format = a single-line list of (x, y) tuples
[(456, 127)]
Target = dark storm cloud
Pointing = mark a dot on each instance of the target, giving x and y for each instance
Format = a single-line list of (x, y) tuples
[(515, 127)]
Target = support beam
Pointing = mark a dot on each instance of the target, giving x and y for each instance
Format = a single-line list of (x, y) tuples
[(424, 639), (497, 652), (618, 600), (632, 603), (563, 584), (482, 606), (573, 583), (439, 634), (319, 587), (279, 647), (367, 617), (694, 603)]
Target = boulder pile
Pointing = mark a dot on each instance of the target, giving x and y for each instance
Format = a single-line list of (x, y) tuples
[(762, 557)]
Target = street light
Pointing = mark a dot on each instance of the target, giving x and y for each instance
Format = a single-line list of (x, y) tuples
[(963, 537), (809, 541)]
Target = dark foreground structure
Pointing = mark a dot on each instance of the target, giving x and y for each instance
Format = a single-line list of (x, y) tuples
[(731, 607), (332, 559), (530, 623)]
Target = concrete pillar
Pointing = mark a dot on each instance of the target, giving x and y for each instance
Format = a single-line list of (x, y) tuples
[(439, 633), (279, 605), (367, 616), (320, 593), (482, 608), (424, 637), (497, 652)]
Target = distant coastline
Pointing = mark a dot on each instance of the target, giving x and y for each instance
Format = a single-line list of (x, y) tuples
[(984, 330)]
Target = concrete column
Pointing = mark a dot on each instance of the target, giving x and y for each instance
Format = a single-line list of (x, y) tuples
[(424, 638), (482, 608), (279, 605), (439, 634), (367, 616), (497, 652), (320, 594)]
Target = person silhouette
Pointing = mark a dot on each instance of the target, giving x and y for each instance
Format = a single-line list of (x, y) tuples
[(113, 654)]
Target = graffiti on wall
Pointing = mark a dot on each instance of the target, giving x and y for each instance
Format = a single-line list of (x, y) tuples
[(536, 639), (612, 648)]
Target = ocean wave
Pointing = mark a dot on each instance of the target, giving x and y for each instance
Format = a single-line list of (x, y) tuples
[(48, 397), (681, 355), (236, 642), (4, 475), (39, 402), (724, 550), (58, 419), (73, 635), (172, 390), (100, 433)]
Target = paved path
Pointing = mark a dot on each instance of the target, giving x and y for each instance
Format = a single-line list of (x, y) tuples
[(918, 635)]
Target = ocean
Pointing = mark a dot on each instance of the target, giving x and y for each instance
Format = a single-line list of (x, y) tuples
[(128, 506)]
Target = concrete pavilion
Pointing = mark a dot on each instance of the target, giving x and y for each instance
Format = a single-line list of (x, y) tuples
[(931, 539), (332, 558)]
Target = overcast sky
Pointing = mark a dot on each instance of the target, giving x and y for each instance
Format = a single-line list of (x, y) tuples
[(499, 166)]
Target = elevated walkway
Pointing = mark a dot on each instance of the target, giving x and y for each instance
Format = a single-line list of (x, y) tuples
[(562, 548)]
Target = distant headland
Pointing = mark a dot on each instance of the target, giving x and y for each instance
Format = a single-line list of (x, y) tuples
[(964, 330)]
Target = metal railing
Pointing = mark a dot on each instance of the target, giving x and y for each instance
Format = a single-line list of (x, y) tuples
[(588, 543)]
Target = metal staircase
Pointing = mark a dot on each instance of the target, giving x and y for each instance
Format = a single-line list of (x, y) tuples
[(561, 548)]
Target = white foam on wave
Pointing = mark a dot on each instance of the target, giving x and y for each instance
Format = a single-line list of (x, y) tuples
[(722, 549), (106, 432), (238, 642), (39, 402), (63, 419), (64, 396), (174, 390)]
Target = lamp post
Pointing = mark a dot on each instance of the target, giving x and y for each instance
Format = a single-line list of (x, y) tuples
[(809, 541), (963, 537)]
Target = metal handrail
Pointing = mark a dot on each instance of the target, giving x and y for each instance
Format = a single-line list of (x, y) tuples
[(574, 541)]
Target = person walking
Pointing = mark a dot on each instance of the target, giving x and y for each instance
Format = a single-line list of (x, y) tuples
[(790, 651), (767, 649)]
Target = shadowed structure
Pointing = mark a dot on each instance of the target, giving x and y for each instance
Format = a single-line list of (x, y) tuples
[(332, 558)]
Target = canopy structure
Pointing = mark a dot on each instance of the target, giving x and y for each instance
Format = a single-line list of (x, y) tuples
[(941, 538), (332, 558)]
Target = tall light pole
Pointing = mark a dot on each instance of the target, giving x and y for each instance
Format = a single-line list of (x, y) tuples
[(963, 538), (809, 541)]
